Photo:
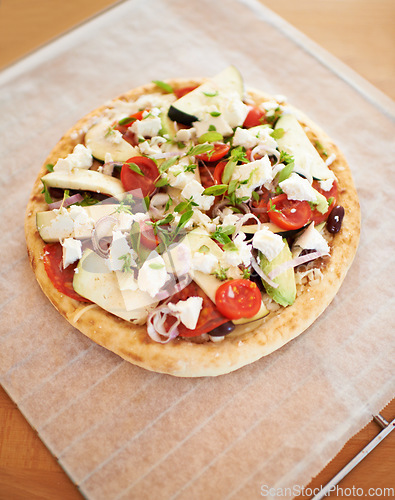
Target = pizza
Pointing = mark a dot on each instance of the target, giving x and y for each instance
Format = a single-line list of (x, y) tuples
[(193, 226)]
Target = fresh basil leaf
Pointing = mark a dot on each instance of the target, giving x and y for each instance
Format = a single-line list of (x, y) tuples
[(162, 182), (216, 190), (278, 133), (156, 265), (167, 164), (49, 167), (211, 94), (184, 219), (164, 86), (233, 185), (215, 113), (286, 172), (212, 128), (200, 149), (204, 249), (255, 195), (228, 171), (127, 120), (47, 196), (135, 168), (210, 137)]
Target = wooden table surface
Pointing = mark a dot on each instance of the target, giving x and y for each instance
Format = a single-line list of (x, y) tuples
[(359, 32)]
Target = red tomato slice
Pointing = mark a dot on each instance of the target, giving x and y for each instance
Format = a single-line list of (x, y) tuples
[(127, 134), (62, 279), (147, 236), (184, 90), (209, 317), (317, 216), (219, 170), (288, 214), (220, 150), (254, 118), (206, 176), (132, 180), (260, 207), (239, 298)]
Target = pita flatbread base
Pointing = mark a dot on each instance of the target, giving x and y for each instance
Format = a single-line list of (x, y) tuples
[(248, 343)]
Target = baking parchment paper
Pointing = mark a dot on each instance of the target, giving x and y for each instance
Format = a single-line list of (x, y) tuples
[(123, 432)]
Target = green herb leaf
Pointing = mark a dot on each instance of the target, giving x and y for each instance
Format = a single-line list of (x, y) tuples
[(156, 265), (246, 273), (127, 262), (127, 120), (167, 164), (200, 149), (185, 217), (320, 148), (164, 86), (49, 167), (285, 158), (87, 201), (216, 190), (331, 200), (210, 137), (286, 172), (147, 201), (47, 196), (162, 182), (233, 185), (204, 249), (255, 195), (272, 207), (278, 133), (168, 204), (211, 94), (215, 113), (212, 128), (230, 247), (110, 131), (221, 234), (135, 168), (190, 168), (220, 273), (228, 171)]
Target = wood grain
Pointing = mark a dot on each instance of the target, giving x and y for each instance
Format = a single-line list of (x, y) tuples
[(359, 32)]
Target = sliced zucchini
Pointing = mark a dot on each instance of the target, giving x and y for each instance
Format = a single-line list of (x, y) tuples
[(102, 138), (295, 142), (85, 180), (226, 83)]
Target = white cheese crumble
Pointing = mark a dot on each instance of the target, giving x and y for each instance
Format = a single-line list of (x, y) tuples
[(185, 134), (243, 137), (194, 190), (149, 127), (326, 185), (152, 275), (204, 262), (118, 249), (81, 157), (83, 224), (240, 255), (311, 239), (72, 251), (221, 126), (298, 188), (270, 244), (189, 310), (176, 175), (256, 173)]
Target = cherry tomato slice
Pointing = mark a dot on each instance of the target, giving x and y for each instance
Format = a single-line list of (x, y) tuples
[(220, 150), (317, 216), (209, 317), (132, 180), (127, 134), (147, 236), (259, 208), (219, 170), (239, 298), (62, 279), (206, 176), (254, 118), (288, 214), (184, 90)]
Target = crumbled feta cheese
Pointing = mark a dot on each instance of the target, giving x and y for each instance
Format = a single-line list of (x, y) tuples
[(241, 254), (230, 219), (149, 149), (311, 239), (72, 251), (221, 126), (152, 275), (270, 244), (125, 221), (255, 173), (330, 159), (81, 157), (148, 127), (83, 224), (185, 134), (119, 250), (243, 137), (203, 220), (176, 175), (194, 189), (298, 188), (204, 262), (189, 310), (326, 185), (62, 226), (234, 110), (108, 158)]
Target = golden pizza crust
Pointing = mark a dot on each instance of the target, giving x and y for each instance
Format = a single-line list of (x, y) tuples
[(247, 344)]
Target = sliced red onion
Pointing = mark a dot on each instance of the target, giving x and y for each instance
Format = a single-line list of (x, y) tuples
[(259, 271), (156, 325), (225, 203), (157, 205), (102, 229), (302, 259), (244, 219), (67, 202)]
